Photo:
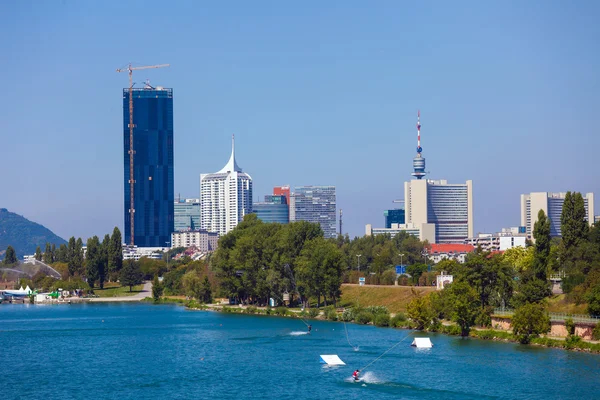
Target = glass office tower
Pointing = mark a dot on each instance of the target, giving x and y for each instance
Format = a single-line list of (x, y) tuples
[(317, 204), (153, 166)]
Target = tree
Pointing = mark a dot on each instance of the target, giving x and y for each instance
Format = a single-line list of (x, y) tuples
[(115, 253), (71, 256), (541, 234), (574, 227), (206, 291), (157, 289), (420, 311), (530, 319), (79, 255), (93, 260), (10, 257), (464, 302), (62, 254), (130, 274), (38, 254), (48, 257), (593, 299), (103, 260)]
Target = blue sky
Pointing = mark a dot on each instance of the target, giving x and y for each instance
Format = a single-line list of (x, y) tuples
[(315, 92)]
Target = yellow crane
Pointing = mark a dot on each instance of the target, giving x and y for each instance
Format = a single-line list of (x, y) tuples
[(130, 69)]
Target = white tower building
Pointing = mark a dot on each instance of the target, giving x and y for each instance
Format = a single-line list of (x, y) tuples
[(225, 196)]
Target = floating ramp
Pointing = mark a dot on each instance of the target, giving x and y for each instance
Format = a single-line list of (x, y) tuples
[(422, 343), (331, 359)]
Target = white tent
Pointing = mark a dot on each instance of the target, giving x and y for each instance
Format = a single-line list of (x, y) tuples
[(331, 359), (422, 342)]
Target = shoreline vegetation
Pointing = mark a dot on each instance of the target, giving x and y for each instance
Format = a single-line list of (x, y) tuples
[(382, 318)]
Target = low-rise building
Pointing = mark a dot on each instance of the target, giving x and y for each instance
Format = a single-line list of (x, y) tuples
[(421, 231), (500, 241), (201, 239), (450, 251), (135, 253)]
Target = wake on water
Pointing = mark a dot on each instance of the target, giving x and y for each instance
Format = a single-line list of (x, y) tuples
[(298, 333), (368, 377)]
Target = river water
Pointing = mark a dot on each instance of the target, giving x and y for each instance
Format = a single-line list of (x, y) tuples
[(132, 351)]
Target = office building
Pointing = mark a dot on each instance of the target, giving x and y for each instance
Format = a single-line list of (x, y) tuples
[(448, 206), (204, 241), (552, 204), (225, 197), (273, 209), (187, 215), (597, 219), (396, 216), (153, 193), (282, 191), (316, 204)]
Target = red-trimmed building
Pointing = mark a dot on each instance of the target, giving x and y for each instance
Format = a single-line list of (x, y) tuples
[(450, 251)]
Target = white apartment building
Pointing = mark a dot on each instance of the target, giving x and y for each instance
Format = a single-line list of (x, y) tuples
[(501, 241), (449, 207), (552, 204), (225, 197), (204, 241)]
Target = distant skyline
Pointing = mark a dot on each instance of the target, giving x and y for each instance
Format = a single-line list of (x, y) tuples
[(316, 93)]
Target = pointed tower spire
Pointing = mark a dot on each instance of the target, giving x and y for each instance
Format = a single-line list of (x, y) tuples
[(419, 160), (231, 165)]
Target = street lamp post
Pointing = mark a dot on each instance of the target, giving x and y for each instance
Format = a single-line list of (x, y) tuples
[(358, 261), (401, 257)]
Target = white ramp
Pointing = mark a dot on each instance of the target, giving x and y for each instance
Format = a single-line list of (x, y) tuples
[(422, 343), (331, 359)]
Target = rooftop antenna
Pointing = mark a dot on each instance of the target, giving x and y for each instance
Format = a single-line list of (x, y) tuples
[(419, 160), (130, 70)]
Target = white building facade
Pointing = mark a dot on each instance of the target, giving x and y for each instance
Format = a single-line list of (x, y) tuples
[(448, 206), (422, 232), (204, 241), (552, 204), (225, 197)]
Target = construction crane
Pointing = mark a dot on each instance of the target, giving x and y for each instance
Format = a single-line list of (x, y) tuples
[(130, 69)]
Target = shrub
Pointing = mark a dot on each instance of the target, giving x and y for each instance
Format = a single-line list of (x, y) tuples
[(572, 341), (363, 317), (226, 309), (251, 310), (281, 311), (388, 277), (348, 315), (381, 320), (269, 310), (375, 310), (570, 325), (314, 312), (453, 330), (399, 321), (596, 332), (330, 313)]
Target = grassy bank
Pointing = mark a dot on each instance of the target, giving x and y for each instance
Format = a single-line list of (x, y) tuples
[(559, 304), (112, 289), (395, 298)]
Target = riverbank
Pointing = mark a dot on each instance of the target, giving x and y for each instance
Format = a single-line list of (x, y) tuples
[(572, 343)]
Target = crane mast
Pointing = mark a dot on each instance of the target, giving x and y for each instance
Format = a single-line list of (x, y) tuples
[(131, 152)]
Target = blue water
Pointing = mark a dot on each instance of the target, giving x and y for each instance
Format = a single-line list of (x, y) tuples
[(132, 351)]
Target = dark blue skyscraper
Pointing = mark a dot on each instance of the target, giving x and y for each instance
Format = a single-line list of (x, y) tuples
[(153, 166)]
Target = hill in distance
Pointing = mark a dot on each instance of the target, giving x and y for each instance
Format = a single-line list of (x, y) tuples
[(24, 235)]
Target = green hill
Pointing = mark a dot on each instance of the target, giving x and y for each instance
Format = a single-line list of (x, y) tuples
[(24, 235)]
